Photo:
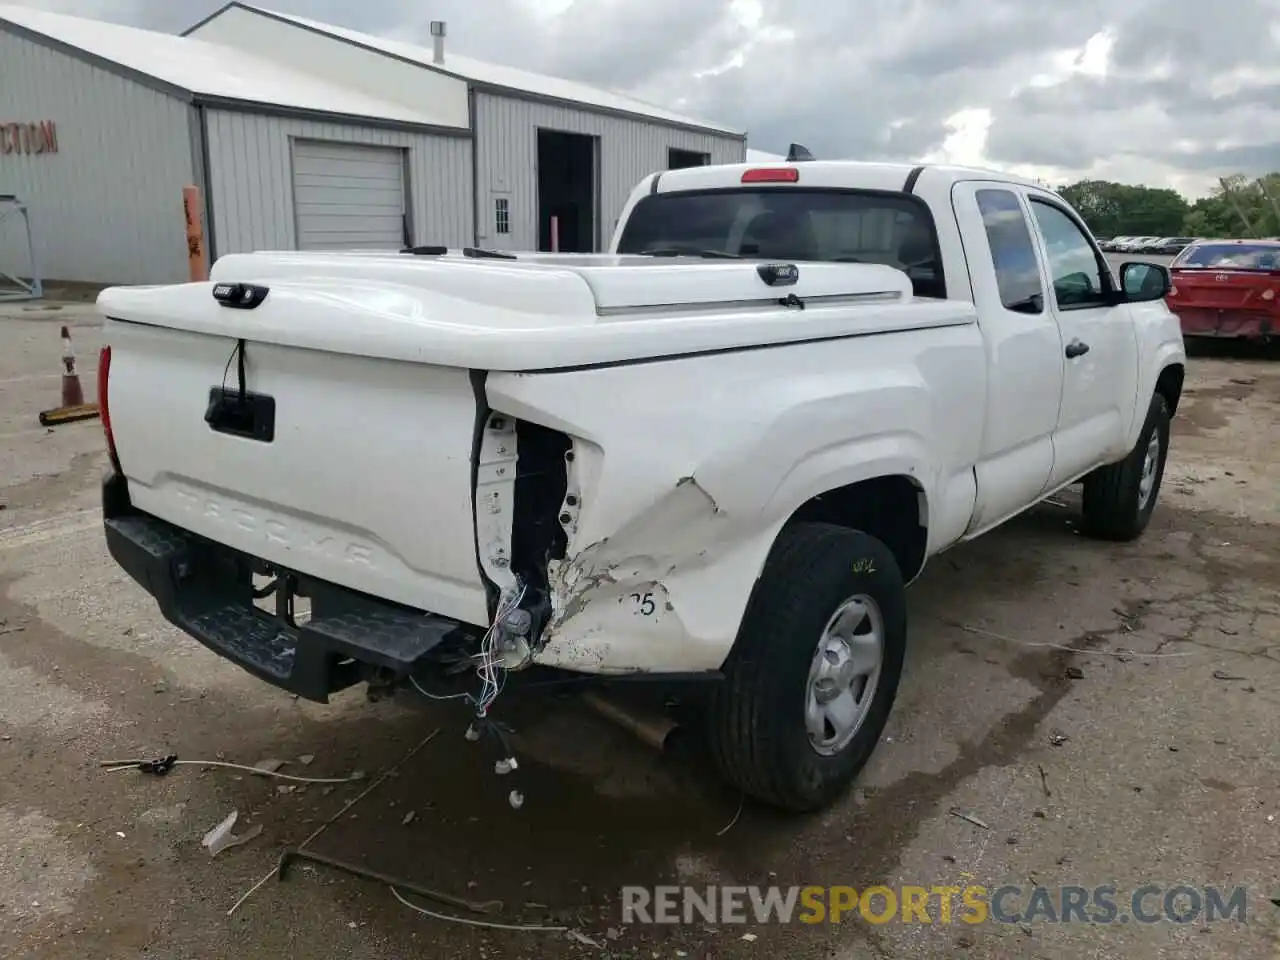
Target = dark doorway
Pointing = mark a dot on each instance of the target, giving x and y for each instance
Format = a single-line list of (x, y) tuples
[(679, 159), (567, 190)]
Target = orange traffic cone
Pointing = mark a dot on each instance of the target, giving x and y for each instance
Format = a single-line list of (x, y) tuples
[(73, 406), (72, 394)]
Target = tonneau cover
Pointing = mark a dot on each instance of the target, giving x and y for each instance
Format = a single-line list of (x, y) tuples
[(535, 312)]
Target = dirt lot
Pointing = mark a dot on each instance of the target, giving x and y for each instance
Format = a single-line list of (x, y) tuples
[(1143, 753)]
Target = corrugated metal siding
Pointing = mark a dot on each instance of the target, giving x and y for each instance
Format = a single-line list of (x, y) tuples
[(630, 150), (251, 179), (107, 207)]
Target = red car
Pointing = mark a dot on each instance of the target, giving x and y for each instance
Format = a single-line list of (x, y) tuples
[(1227, 288)]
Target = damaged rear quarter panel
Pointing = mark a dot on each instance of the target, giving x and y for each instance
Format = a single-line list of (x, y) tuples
[(687, 469)]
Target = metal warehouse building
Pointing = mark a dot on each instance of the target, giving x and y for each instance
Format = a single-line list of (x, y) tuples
[(302, 135)]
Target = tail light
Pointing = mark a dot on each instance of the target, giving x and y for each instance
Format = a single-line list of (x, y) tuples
[(104, 409)]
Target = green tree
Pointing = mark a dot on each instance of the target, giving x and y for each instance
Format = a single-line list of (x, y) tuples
[(1240, 207), (1111, 208), (1098, 202), (1211, 217)]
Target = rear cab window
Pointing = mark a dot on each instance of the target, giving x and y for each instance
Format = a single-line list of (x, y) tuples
[(792, 223), (1013, 253)]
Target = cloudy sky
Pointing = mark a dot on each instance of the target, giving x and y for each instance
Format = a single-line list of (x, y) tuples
[(1166, 92)]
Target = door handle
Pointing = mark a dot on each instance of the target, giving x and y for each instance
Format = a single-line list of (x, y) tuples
[(1076, 348)]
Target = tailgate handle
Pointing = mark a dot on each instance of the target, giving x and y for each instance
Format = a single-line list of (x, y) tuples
[(778, 274), (240, 296), (237, 413)]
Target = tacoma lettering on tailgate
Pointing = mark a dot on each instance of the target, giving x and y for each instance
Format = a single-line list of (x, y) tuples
[(294, 535)]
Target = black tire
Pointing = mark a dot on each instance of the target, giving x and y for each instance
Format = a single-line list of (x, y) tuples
[(757, 726), (1113, 504)]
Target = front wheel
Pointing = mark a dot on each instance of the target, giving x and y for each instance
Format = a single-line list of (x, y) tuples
[(1119, 498), (815, 670)]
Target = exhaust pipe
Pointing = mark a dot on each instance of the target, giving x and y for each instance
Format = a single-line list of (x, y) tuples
[(655, 731)]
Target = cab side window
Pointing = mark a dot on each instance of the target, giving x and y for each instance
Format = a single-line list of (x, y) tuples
[(1012, 252), (1078, 277)]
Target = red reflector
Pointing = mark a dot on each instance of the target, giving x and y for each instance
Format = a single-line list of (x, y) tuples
[(776, 175), (104, 412)]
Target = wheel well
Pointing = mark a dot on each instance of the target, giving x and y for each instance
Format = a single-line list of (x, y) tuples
[(891, 509), (1169, 385)]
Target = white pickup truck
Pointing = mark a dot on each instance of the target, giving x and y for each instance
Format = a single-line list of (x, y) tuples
[(720, 451)]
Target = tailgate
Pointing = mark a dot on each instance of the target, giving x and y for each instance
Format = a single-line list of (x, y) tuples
[(1212, 289), (365, 480)]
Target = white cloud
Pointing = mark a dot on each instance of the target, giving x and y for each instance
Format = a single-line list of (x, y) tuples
[(1090, 60), (966, 140)]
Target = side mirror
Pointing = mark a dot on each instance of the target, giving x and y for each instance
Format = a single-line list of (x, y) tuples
[(1143, 282)]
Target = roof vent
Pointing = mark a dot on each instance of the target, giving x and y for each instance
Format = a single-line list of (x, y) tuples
[(437, 41)]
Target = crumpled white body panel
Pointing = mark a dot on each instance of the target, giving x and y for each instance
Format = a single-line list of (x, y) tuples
[(685, 470)]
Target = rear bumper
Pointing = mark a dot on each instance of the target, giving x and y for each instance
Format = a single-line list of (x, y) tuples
[(207, 590), (1248, 324)]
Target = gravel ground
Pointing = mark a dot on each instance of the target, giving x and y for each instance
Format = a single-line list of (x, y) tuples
[(1148, 756)]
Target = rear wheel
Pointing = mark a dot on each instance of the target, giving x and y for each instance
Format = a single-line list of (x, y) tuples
[(815, 669), (1119, 498)]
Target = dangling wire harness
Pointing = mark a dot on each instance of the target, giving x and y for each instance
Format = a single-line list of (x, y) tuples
[(490, 668)]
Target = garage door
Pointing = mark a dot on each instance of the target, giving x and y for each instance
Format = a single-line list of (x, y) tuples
[(348, 195)]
